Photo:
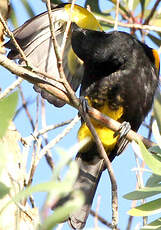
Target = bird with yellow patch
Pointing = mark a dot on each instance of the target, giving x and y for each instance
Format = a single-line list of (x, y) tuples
[(118, 75)]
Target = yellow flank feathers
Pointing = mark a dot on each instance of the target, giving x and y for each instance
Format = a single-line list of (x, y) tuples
[(104, 133), (156, 58), (82, 17), (72, 64)]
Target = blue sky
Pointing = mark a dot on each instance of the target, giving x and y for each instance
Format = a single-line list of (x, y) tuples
[(122, 166)]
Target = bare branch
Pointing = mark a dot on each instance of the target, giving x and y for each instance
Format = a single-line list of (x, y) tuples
[(116, 15), (48, 155), (59, 137), (14, 40), (152, 11), (11, 88), (131, 26), (101, 219), (70, 92)]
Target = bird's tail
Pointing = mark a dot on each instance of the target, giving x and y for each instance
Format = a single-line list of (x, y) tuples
[(91, 167)]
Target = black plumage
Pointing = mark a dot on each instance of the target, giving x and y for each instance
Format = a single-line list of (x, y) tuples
[(120, 72)]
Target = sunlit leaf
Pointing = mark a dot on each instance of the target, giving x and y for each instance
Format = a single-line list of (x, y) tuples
[(93, 6), (153, 180), (135, 4), (28, 8), (154, 225), (155, 21), (58, 189), (7, 111), (157, 110), (154, 39), (144, 4), (121, 7), (155, 149), (62, 213), (153, 163), (157, 135), (13, 17), (2, 157), (4, 190), (149, 208)]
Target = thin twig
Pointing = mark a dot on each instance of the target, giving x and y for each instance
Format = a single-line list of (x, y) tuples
[(97, 210), (34, 162), (14, 40), (70, 92), (101, 219), (11, 88), (59, 137), (50, 128), (129, 25), (26, 108), (152, 11), (67, 29), (48, 155), (116, 15), (150, 126)]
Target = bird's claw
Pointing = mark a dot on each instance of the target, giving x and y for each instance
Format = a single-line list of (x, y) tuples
[(84, 103), (122, 132)]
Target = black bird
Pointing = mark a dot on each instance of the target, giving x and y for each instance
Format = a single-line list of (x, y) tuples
[(121, 75)]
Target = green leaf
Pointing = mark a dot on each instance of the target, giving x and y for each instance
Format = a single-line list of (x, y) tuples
[(72, 173), (135, 4), (4, 190), (143, 193), (155, 40), (93, 5), (54, 1), (155, 225), (144, 4), (62, 213), (155, 149), (28, 8), (153, 180), (157, 109), (7, 111), (58, 189), (13, 16), (153, 163), (2, 157), (150, 208), (65, 159)]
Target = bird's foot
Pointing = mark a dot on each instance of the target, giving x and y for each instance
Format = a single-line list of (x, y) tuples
[(122, 132)]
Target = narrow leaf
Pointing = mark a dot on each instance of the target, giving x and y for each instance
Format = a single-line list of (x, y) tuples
[(4, 190), (7, 111), (150, 208), (143, 193), (153, 180), (156, 42), (28, 8), (62, 213), (57, 188), (153, 163), (154, 225), (157, 109)]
